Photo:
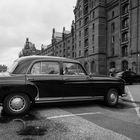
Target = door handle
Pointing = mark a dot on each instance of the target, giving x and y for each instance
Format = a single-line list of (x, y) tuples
[(30, 79)]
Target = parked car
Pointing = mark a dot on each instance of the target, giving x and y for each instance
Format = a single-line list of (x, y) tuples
[(43, 79), (130, 77)]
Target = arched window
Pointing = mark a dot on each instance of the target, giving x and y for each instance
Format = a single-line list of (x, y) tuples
[(112, 65), (93, 67), (124, 65)]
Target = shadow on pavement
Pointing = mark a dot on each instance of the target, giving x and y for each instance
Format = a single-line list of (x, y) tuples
[(95, 103), (129, 101), (32, 124)]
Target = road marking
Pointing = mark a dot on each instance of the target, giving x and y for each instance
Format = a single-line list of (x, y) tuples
[(80, 128), (72, 115), (133, 102)]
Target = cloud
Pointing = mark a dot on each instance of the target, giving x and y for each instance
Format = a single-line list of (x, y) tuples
[(8, 56), (31, 18)]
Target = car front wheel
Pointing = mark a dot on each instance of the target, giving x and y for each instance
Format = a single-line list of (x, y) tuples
[(111, 97), (15, 104)]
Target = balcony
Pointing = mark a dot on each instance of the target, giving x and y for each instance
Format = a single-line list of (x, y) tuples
[(85, 10), (125, 9), (124, 38), (125, 23)]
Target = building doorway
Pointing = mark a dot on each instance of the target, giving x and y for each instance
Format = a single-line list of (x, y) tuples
[(124, 65)]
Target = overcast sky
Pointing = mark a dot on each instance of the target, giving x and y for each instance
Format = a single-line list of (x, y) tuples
[(34, 19)]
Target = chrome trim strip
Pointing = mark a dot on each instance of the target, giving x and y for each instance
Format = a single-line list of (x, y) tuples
[(50, 98), (67, 99)]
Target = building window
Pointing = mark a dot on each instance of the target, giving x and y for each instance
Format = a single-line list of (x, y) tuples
[(80, 23), (73, 47), (92, 4), (93, 27), (112, 65), (80, 53), (113, 14), (112, 27), (124, 50), (79, 44), (86, 42), (93, 39), (86, 31), (73, 55), (79, 14), (125, 23), (112, 45), (79, 34), (93, 15), (86, 20), (93, 49), (125, 9), (124, 36), (86, 10), (86, 53), (113, 40), (112, 50)]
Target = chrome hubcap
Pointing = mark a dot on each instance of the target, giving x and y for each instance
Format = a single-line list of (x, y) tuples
[(113, 97), (17, 103)]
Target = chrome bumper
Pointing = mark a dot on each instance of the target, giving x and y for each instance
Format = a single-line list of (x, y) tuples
[(125, 94)]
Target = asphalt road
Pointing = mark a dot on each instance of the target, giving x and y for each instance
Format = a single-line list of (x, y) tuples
[(77, 121)]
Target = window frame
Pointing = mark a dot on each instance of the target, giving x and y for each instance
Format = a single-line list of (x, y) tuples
[(40, 61), (85, 73)]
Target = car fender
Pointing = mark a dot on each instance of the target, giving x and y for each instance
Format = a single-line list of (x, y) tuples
[(18, 87)]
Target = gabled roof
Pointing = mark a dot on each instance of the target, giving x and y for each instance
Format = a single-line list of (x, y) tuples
[(67, 32), (58, 34)]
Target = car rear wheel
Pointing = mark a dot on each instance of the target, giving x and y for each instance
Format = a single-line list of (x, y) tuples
[(15, 104), (112, 97)]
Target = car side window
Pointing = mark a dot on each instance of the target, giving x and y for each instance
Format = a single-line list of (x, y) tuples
[(72, 69), (45, 68), (36, 69)]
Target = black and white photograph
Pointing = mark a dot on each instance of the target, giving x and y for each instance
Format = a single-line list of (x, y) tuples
[(69, 69)]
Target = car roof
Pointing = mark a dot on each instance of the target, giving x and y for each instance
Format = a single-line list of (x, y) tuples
[(38, 57)]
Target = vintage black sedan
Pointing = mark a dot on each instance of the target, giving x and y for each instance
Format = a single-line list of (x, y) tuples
[(130, 77), (43, 79)]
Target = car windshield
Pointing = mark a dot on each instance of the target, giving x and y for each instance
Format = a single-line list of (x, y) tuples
[(12, 67)]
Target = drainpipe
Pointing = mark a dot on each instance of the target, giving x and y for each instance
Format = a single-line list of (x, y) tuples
[(137, 51)]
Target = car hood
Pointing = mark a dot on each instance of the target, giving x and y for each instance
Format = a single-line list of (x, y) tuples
[(6, 76)]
